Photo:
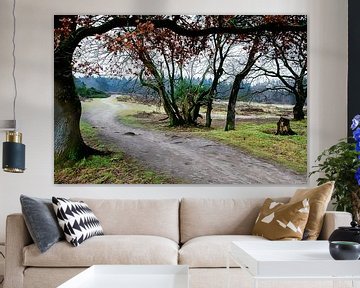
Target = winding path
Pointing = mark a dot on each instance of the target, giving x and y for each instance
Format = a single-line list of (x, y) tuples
[(193, 159)]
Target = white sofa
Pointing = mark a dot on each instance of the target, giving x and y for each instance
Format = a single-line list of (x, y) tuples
[(194, 232)]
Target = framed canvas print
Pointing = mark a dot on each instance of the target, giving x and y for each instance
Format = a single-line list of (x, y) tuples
[(180, 99)]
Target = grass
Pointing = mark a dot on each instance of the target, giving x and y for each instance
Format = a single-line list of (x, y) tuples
[(131, 115), (98, 95), (113, 168), (256, 137)]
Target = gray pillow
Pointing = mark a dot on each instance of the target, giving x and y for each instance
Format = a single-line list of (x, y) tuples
[(41, 221)]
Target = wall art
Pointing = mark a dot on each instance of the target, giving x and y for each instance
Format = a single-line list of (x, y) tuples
[(180, 99)]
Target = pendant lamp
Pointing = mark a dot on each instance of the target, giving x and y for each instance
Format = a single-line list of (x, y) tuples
[(13, 160)]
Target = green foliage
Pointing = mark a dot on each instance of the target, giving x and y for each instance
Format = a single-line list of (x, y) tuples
[(186, 93), (339, 163), (186, 89), (91, 92)]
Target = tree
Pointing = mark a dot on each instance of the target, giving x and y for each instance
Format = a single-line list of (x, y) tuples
[(68, 143), (231, 113), (162, 53), (287, 61), (161, 56), (71, 30), (222, 46)]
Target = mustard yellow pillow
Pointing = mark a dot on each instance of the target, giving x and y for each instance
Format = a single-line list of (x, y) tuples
[(279, 221), (319, 198)]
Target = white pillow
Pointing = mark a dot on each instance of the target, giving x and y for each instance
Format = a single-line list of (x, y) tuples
[(76, 220)]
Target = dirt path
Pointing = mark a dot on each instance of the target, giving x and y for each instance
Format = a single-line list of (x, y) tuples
[(193, 159)]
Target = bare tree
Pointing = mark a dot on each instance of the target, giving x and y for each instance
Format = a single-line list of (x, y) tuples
[(239, 77), (287, 61)]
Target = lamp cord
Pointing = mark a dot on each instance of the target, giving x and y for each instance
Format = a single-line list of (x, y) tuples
[(2, 278), (14, 60)]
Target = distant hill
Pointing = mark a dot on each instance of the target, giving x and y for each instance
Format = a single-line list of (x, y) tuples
[(131, 86), (113, 85), (88, 92)]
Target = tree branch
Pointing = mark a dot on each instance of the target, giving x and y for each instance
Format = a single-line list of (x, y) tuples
[(118, 22)]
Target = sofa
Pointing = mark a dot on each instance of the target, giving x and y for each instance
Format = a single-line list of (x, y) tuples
[(193, 232)]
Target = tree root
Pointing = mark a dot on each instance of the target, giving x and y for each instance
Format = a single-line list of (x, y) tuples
[(89, 151)]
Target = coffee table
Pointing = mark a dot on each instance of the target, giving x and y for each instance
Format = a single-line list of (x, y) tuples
[(293, 260), (131, 276)]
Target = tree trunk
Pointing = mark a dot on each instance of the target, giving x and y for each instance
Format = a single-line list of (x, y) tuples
[(172, 112), (283, 127), (174, 120), (230, 117), (212, 93), (199, 101), (195, 113), (208, 113), (298, 110), (170, 107), (68, 143)]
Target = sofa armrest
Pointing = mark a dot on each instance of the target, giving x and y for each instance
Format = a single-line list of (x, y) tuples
[(333, 220), (17, 237)]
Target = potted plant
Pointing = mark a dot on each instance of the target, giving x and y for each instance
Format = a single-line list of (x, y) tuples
[(341, 163)]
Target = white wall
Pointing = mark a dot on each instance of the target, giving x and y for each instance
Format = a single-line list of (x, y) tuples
[(327, 90)]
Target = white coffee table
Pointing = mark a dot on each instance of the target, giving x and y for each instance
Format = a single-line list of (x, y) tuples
[(131, 276), (293, 260)]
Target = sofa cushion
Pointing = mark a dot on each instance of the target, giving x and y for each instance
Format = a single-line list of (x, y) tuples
[(158, 217), (211, 251), (41, 221), (319, 198), (107, 249), (201, 217), (279, 221), (35, 277)]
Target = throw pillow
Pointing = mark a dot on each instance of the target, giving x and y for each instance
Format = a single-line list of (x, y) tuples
[(279, 221), (319, 198), (77, 220), (41, 222)]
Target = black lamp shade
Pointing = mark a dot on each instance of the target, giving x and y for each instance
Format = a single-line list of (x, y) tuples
[(13, 157)]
